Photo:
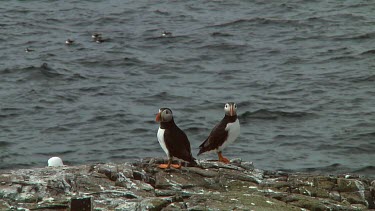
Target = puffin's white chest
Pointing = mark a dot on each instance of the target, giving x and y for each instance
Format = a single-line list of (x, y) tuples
[(160, 136), (233, 132)]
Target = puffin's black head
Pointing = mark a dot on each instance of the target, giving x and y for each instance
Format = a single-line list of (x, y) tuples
[(164, 115), (230, 109)]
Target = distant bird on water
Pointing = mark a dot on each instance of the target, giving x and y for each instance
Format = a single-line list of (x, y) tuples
[(28, 50), (166, 34), (224, 133), (69, 41), (172, 139), (96, 35)]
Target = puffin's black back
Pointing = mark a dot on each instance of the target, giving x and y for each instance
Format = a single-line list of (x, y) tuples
[(177, 142)]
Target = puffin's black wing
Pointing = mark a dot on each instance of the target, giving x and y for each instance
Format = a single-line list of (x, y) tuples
[(178, 144), (216, 138)]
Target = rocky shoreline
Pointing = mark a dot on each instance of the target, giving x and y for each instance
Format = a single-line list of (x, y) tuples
[(212, 186)]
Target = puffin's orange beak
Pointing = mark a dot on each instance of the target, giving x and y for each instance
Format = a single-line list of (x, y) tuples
[(158, 117), (231, 110)]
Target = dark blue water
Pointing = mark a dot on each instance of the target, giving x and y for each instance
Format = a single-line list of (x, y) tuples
[(301, 72)]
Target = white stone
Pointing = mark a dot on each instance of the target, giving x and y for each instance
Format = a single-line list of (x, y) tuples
[(55, 161)]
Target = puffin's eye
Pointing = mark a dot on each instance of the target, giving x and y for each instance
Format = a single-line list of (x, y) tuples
[(235, 106), (226, 105)]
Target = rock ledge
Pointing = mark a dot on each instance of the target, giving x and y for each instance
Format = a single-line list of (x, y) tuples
[(212, 186)]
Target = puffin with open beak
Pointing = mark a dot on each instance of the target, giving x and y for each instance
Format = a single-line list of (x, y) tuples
[(224, 133), (172, 139)]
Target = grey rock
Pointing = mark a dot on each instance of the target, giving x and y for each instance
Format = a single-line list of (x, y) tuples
[(127, 206), (165, 192), (247, 165), (155, 203), (203, 172)]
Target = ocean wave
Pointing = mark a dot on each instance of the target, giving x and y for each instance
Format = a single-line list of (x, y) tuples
[(55, 129), (268, 114), (221, 34), (224, 46), (166, 96), (360, 149), (367, 170), (368, 52), (332, 168), (259, 20), (5, 143), (362, 36), (31, 72), (292, 137)]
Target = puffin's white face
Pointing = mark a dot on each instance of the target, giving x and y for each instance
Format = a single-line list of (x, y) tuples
[(230, 109), (164, 115)]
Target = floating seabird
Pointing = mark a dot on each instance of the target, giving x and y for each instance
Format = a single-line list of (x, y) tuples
[(166, 34), (96, 35), (69, 41), (28, 50)]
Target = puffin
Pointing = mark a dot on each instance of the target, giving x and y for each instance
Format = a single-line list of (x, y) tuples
[(223, 134), (172, 140)]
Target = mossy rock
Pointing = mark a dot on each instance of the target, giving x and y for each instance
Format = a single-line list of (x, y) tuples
[(308, 203), (354, 198), (323, 182), (314, 192)]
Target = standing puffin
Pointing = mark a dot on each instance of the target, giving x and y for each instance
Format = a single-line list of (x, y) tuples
[(224, 133), (172, 139)]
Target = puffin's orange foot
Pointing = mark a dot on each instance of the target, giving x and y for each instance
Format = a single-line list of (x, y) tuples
[(224, 160), (176, 166), (164, 166)]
